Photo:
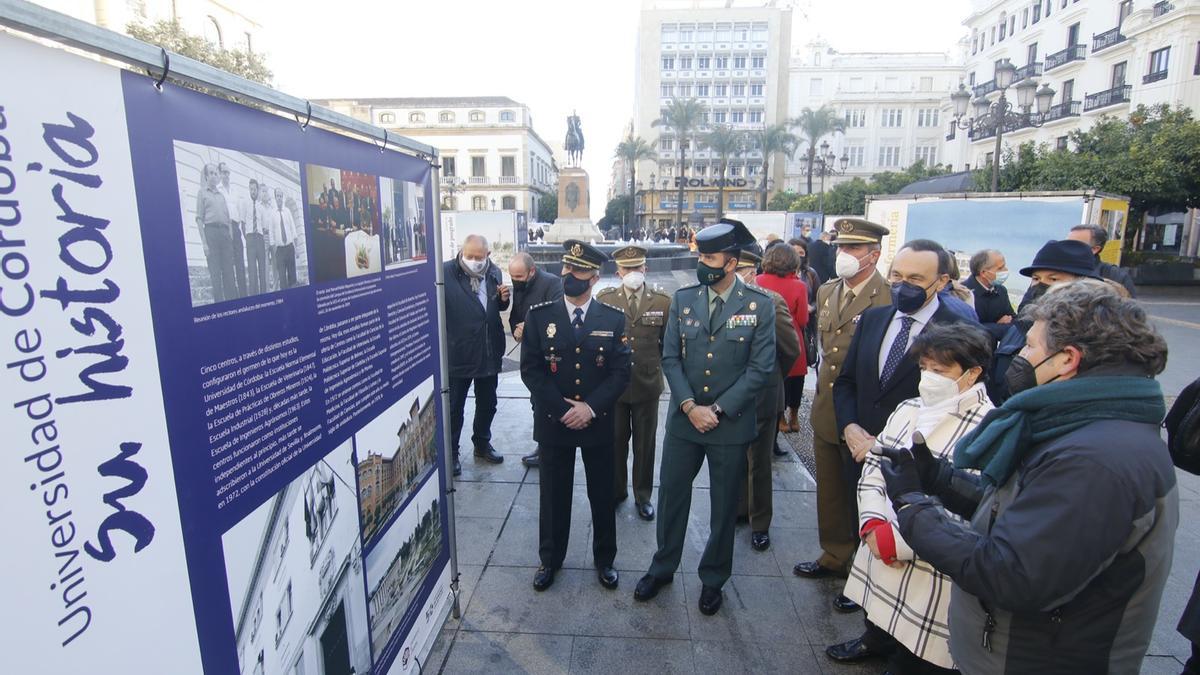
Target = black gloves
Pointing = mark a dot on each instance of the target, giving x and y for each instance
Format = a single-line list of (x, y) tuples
[(928, 467), (908, 471)]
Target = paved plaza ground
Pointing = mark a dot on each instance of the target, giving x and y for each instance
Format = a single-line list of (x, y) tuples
[(771, 621)]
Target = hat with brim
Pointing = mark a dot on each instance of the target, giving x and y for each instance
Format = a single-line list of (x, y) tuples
[(751, 256), (582, 255), (726, 236), (1068, 255), (850, 231), (630, 256)]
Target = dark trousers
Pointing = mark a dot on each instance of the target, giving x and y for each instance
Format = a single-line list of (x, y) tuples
[(637, 422), (485, 409), (239, 261), (793, 391), (837, 503), (726, 471), (900, 660), (285, 265), (256, 263), (556, 483), (756, 502), (220, 261)]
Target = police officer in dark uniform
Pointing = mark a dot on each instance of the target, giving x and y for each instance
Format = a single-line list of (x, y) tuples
[(719, 351), (575, 362)]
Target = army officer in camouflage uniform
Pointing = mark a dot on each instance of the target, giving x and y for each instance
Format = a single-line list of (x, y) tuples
[(718, 353), (645, 310)]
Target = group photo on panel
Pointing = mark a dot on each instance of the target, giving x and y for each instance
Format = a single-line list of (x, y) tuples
[(993, 493)]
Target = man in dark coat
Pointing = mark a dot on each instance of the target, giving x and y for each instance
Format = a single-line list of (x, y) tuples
[(989, 271), (576, 364), (821, 256), (1096, 237), (475, 296), (531, 287)]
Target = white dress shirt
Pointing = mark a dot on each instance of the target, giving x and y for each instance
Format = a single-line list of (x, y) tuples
[(571, 307), (920, 319)]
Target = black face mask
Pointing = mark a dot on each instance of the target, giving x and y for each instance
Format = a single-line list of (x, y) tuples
[(1022, 375), (520, 285), (909, 297), (573, 287), (709, 275), (1035, 293)]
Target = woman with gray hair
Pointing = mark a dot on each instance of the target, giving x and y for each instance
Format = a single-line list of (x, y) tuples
[(1073, 514)]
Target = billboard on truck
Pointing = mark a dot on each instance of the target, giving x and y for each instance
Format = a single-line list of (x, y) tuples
[(1016, 224)]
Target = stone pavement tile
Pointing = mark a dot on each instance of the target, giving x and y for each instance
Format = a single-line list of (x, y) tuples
[(731, 657), (756, 609), (792, 545), (483, 500), (794, 509), (476, 538), (630, 656), (474, 652), (439, 651), (575, 605), (468, 581), (788, 473), (1166, 640), (813, 600), (1161, 665), (518, 543), (511, 470)]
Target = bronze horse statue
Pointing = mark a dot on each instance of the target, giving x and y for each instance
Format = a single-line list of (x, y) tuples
[(574, 142)]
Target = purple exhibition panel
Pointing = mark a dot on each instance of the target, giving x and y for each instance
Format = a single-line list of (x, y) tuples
[(222, 383)]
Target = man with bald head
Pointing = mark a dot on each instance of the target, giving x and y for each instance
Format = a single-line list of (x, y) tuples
[(531, 287)]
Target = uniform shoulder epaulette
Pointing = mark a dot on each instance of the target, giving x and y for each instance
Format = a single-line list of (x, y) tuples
[(761, 291), (543, 304), (657, 290), (610, 308), (832, 281), (606, 291), (689, 287)]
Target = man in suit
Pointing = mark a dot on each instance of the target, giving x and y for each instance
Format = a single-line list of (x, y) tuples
[(531, 287), (645, 311), (1096, 237), (989, 271), (857, 287), (718, 352), (475, 295), (822, 255), (236, 230), (284, 238), (576, 364), (254, 223), (756, 502)]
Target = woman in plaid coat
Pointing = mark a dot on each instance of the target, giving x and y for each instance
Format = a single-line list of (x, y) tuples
[(905, 599)]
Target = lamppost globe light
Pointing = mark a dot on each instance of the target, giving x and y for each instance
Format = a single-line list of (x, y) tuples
[(1045, 96), (824, 147), (844, 161), (1026, 90), (1005, 73), (981, 106), (961, 99)]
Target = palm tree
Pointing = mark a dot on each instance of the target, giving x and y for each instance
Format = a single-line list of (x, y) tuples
[(724, 140), (681, 116), (630, 151), (769, 141), (814, 125)]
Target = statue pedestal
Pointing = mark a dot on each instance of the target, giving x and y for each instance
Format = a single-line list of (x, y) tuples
[(574, 201)]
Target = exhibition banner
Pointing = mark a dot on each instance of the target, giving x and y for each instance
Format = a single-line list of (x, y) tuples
[(222, 420)]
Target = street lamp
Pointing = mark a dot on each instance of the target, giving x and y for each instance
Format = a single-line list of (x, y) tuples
[(991, 117), (653, 221), (493, 203), (639, 211), (451, 188), (825, 163)]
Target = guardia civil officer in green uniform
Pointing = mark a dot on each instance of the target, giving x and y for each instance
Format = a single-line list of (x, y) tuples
[(718, 352), (575, 362), (645, 311)]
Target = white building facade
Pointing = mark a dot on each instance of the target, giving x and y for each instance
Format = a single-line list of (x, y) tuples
[(728, 54), (492, 159), (227, 25), (889, 103), (1100, 58)]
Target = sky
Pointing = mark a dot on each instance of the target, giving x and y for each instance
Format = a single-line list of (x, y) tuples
[(555, 56)]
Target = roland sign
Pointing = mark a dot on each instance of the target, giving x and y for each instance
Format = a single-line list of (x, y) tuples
[(710, 182)]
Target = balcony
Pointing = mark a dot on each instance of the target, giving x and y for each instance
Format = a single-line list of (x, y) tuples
[(508, 180), (1107, 39), (1154, 76), (1162, 7), (985, 88), (1104, 99), (449, 180), (1062, 111), (477, 180), (1068, 55), (1014, 125), (1028, 70)]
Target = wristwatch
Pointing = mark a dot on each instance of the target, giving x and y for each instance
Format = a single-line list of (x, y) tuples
[(717, 410)]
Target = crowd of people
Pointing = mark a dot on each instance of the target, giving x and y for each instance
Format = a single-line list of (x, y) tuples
[(991, 481), (249, 243)]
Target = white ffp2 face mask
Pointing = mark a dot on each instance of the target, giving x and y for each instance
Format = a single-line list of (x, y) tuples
[(475, 266), (936, 388), (846, 265), (633, 280)]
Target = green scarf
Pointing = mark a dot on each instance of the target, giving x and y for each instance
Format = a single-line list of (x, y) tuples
[(1006, 435)]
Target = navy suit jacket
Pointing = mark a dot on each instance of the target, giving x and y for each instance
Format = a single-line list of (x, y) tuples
[(858, 396)]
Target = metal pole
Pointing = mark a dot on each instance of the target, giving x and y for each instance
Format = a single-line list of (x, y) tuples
[(821, 199), (998, 117)]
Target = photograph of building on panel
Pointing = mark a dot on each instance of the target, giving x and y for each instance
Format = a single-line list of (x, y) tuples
[(295, 573)]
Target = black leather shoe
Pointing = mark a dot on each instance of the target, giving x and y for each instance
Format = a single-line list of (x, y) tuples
[(608, 577), (648, 586), (645, 511), (851, 651), (760, 541), (489, 454), (710, 600), (532, 460), (814, 570), (778, 451), (543, 578), (845, 605), (457, 471)]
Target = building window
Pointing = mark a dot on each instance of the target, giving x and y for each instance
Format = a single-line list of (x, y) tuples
[(756, 90), (735, 169), (1037, 11), (448, 166), (722, 62), (760, 31), (685, 90), (212, 32), (702, 90), (1012, 24), (1196, 68), (445, 116), (1123, 11), (1159, 60), (758, 61), (685, 63), (1025, 18), (476, 116), (479, 203), (1003, 26), (256, 620), (756, 116), (927, 154), (416, 117), (702, 62), (508, 116), (892, 117), (739, 90), (667, 90), (857, 155), (737, 116), (685, 32), (925, 84), (720, 89), (259, 664), (1060, 143), (284, 540), (704, 32), (669, 33), (508, 203), (815, 86), (283, 614), (927, 117), (1073, 35), (741, 32), (889, 155), (719, 117), (666, 144), (739, 62), (478, 166), (1048, 8), (1031, 53), (668, 63), (1118, 74), (508, 166), (855, 117), (387, 118)]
